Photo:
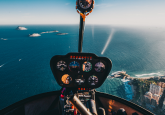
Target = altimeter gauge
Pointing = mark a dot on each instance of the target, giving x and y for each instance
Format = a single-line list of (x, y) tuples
[(66, 79), (93, 80), (86, 66), (99, 67), (61, 65)]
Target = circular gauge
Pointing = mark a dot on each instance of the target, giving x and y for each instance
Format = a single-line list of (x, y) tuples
[(66, 79), (74, 66), (79, 80), (86, 66), (99, 67), (85, 3), (61, 65), (93, 80)]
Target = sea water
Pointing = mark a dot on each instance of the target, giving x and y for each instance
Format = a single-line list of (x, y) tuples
[(24, 60)]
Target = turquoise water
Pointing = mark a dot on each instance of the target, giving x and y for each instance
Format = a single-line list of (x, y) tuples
[(24, 61)]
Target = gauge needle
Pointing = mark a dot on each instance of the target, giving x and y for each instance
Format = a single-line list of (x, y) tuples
[(62, 68)]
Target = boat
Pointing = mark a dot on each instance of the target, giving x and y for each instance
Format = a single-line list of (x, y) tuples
[(34, 35), (74, 73)]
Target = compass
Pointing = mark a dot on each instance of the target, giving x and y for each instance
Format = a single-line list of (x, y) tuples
[(85, 4), (84, 7)]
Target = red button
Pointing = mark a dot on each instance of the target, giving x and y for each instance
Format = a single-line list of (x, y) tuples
[(62, 96)]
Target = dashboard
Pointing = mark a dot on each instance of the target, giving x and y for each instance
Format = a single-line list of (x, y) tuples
[(77, 70)]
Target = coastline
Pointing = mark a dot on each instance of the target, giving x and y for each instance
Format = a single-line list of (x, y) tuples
[(133, 82)]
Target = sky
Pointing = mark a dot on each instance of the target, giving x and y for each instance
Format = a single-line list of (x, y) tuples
[(107, 12)]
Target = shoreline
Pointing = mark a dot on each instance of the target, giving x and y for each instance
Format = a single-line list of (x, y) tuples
[(148, 78), (123, 75)]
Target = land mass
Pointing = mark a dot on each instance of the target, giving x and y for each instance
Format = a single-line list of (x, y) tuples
[(142, 87)]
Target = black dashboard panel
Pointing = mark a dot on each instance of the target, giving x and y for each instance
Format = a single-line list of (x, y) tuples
[(77, 70)]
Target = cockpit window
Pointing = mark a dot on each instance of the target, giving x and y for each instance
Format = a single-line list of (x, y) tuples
[(130, 33)]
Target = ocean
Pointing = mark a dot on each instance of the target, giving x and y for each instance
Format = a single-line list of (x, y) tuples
[(24, 61)]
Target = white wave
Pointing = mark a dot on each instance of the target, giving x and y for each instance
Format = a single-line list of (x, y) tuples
[(117, 72), (108, 41), (149, 74), (93, 32), (125, 80), (2, 65), (3, 39)]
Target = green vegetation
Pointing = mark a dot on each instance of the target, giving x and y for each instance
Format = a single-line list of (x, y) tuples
[(143, 85)]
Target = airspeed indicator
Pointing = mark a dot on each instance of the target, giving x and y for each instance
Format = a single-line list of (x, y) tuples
[(61, 65)]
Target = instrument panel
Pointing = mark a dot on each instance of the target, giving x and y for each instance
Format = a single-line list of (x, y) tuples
[(80, 70)]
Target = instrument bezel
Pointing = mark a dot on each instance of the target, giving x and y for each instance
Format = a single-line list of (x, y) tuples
[(93, 60)]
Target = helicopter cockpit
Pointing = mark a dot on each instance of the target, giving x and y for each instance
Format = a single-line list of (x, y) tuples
[(78, 74)]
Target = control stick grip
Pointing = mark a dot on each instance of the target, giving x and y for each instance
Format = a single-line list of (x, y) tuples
[(79, 105)]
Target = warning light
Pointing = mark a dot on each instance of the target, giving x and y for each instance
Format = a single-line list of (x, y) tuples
[(82, 57), (76, 57), (70, 57), (90, 58), (85, 57), (73, 57), (78, 88), (79, 57), (72, 107), (81, 88), (62, 96)]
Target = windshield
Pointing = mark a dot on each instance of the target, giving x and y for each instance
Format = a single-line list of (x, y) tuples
[(130, 33)]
